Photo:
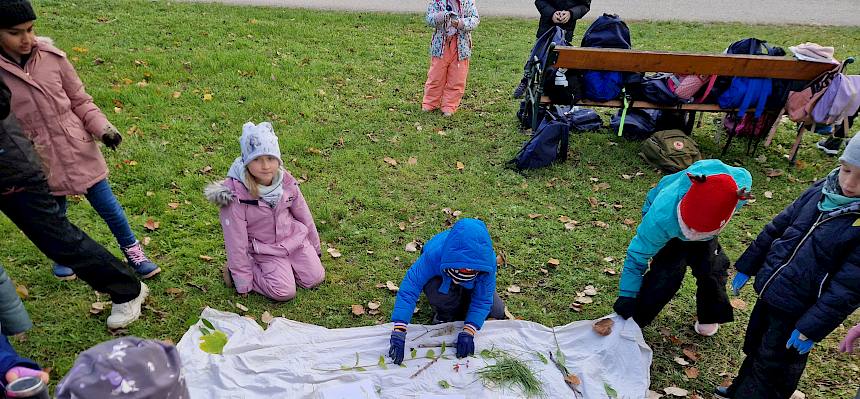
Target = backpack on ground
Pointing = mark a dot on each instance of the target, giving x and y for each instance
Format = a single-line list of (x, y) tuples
[(670, 151), (607, 31), (638, 124), (548, 144)]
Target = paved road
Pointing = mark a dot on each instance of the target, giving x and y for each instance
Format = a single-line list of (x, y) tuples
[(813, 12)]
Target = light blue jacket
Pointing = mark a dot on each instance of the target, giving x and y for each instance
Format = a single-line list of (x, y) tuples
[(13, 317), (466, 245), (660, 218), (468, 15)]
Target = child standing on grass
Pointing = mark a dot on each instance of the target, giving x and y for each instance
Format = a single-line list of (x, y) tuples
[(271, 239), (61, 119), (806, 264), (450, 51), (681, 220)]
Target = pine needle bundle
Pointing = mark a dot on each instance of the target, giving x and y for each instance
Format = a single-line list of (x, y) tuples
[(510, 372)]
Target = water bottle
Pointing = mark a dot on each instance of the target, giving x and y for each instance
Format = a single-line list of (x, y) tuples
[(27, 388)]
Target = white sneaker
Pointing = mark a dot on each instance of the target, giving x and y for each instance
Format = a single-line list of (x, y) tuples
[(706, 330), (123, 314)]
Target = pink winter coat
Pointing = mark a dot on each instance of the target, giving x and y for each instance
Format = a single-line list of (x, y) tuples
[(55, 112), (252, 228)]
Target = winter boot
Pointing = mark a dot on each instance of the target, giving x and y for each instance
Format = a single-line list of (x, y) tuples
[(706, 330), (830, 145), (123, 314)]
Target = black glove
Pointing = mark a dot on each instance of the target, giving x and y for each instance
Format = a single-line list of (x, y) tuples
[(111, 137), (625, 306)]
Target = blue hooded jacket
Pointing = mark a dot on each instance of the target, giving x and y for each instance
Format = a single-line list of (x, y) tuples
[(467, 245), (807, 263), (660, 218)]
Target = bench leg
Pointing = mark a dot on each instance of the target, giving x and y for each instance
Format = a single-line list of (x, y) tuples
[(773, 128), (792, 156), (690, 122)]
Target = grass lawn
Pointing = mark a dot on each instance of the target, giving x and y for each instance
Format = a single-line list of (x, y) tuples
[(344, 91)]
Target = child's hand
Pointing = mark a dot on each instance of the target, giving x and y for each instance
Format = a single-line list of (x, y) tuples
[(556, 17), (20, 372), (457, 23), (564, 16), (847, 344), (111, 137)]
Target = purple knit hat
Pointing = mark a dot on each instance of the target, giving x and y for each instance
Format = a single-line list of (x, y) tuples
[(126, 368)]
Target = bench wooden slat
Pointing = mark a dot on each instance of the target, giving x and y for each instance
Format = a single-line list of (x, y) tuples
[(685, 63), (645, 104)]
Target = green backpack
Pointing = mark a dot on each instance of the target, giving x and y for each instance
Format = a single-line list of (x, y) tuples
[(670, 151)]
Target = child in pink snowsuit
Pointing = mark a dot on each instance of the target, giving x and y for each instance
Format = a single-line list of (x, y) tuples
[(450, 50), (271, 239)]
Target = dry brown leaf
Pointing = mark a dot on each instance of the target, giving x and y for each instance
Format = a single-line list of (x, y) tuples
[(626, 177), (534, 215), (206, 169), (691, 372), (675, 391), (603, 326), (584, 300), (601, 224), (610, 272), (653, 395), (609, 259), (768, 194), (391, 286), (514, 289), (738, 304), (177, 94), (563, 219), (151, 225), (601, 186), (357, 310), (681, 361), (456, 213), (173, 291), (553, 262), (390, 161), (412, 161), (773, 172), (509, 315), (460, 165), (267, 317), (691, 354), (205, 258), (618, 207), (401, 226), (571, 225), (173, 205), (798, 395), (98, 307), (241, 307), (575, 306), (146, 240), (22, 291), (373, 305), (593, 202), (589, 290), (334, 253), (594, 179), (411, 247), (629, 222), (572, 379), (500, 260)]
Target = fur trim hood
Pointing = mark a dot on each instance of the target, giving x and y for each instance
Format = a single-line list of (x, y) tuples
[(218, 193)]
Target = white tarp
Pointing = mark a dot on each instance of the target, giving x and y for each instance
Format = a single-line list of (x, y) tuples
[(290, 359)]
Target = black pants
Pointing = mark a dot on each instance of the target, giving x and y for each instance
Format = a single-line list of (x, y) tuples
[(770, 371), (666, 274), (839, 130), (36, 213), (455, 304)]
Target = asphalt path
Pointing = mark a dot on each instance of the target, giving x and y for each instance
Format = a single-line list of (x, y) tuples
[(809, 12)]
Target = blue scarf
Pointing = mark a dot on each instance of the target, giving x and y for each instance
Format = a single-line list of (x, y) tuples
[(832, 197)]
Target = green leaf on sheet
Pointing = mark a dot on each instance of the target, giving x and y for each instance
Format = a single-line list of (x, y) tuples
[(443, 348), (381, 362), (559, 355), (542, 357), (430, 354), (344, 367), (213, 343), (402, 365), (413, 353), (609, 391), (444, 384), (360, 369), (205, 331), (486, 354), (208, 324)]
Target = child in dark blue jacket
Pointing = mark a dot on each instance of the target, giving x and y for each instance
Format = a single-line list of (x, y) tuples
[(457, 272), (806, 264)]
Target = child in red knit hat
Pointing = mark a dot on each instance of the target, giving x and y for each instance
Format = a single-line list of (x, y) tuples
[(681, 219)]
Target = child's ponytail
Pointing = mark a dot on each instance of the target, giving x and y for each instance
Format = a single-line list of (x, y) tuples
[(251, 183)]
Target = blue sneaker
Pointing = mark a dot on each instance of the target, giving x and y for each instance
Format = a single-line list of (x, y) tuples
[(144, 267), (63, 273)]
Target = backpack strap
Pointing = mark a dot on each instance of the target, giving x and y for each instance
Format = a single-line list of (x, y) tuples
[(710, 86), (626, 99)]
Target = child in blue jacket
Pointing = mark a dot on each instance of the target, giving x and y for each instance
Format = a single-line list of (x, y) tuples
[(806, 264), (681, 219), (13, 320), (457, 272)]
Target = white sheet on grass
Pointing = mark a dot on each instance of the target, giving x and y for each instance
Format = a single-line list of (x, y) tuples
[(290, 359)]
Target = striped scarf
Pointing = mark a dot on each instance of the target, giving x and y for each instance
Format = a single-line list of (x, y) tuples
[(461, 275)]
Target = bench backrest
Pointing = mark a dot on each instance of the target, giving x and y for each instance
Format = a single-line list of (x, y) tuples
[(754, 66)]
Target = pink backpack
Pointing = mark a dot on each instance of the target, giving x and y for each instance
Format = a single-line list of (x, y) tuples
[(686, 86)]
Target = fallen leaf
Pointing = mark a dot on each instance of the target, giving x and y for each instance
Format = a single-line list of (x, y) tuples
[(768, 194), (177, 94), (609, 259), (610, 272), (593, 201), (206, 169), (241, 307), (500, 261), (150, 193), (534, 215), (691, 372), (798, 395), (681, 361), (22, 291), (173, 205), (601, 224), (594, 179), (603, 327), (390, 161), (653, 395), (373, 305), (571, 225), (590, 290), (173, 291), (626, 177), (460, 165), (601, 186), (509, 315), (456, 213), (401, 226), (97, 307), (514, 289), (691, 354), (617, 207), (572, 379), (584, 300), (773, 172), (214, 342), (412, 161), (391, 286), (629, 222), (738, 304), (357, 310), (334, 253), (575, 306), (564, 219), (206, 258), (146, 241), (444, 384), (553, 262), (151, 225), (675, 391), (207, 97), (411, 247)]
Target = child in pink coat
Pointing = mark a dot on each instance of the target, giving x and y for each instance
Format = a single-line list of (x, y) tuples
[(271, 239), (450, 51), (61, 119)]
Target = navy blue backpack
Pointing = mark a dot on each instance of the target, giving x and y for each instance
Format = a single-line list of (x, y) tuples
[(638, 124), (607, 31), (548, 144)]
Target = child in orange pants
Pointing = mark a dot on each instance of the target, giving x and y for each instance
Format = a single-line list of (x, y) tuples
[(450, 50)]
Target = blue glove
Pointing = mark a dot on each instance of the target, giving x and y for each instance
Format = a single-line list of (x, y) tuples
[(397, 346), (466, 341), (738, 282), (799, 342)]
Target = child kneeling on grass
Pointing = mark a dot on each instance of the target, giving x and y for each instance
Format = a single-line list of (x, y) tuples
[(681, 219), (457, 272), (806, 264), (271, 239), (450, 51)]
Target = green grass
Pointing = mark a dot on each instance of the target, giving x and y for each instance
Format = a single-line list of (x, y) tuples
[(344, 91)]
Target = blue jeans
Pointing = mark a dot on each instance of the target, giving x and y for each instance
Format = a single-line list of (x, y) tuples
[(104, 202)]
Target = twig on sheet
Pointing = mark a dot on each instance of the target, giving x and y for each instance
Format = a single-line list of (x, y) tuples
[(435, 359)]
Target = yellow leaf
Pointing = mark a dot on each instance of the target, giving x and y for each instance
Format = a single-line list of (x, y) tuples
[(460, 165), (207, 97), (177, 94)]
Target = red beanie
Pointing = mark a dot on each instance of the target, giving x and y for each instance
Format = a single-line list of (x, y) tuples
[(710, 202)]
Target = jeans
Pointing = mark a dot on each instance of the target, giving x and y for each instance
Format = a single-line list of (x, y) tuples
[(105, 203), (37, 214), (455, 304)]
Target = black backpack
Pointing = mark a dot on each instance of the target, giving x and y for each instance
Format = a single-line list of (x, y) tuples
[(607, 31), (548, 144)]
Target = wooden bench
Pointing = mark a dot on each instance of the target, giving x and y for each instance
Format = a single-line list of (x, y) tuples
[(587, 58)]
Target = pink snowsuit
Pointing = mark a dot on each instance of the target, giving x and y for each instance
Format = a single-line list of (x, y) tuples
[(269, 250)]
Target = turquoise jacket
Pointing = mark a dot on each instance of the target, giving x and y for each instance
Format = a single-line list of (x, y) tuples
[(660, 218), (467, 244)]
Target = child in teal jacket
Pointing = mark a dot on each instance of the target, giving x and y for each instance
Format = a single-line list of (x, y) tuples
[(681, 219)]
